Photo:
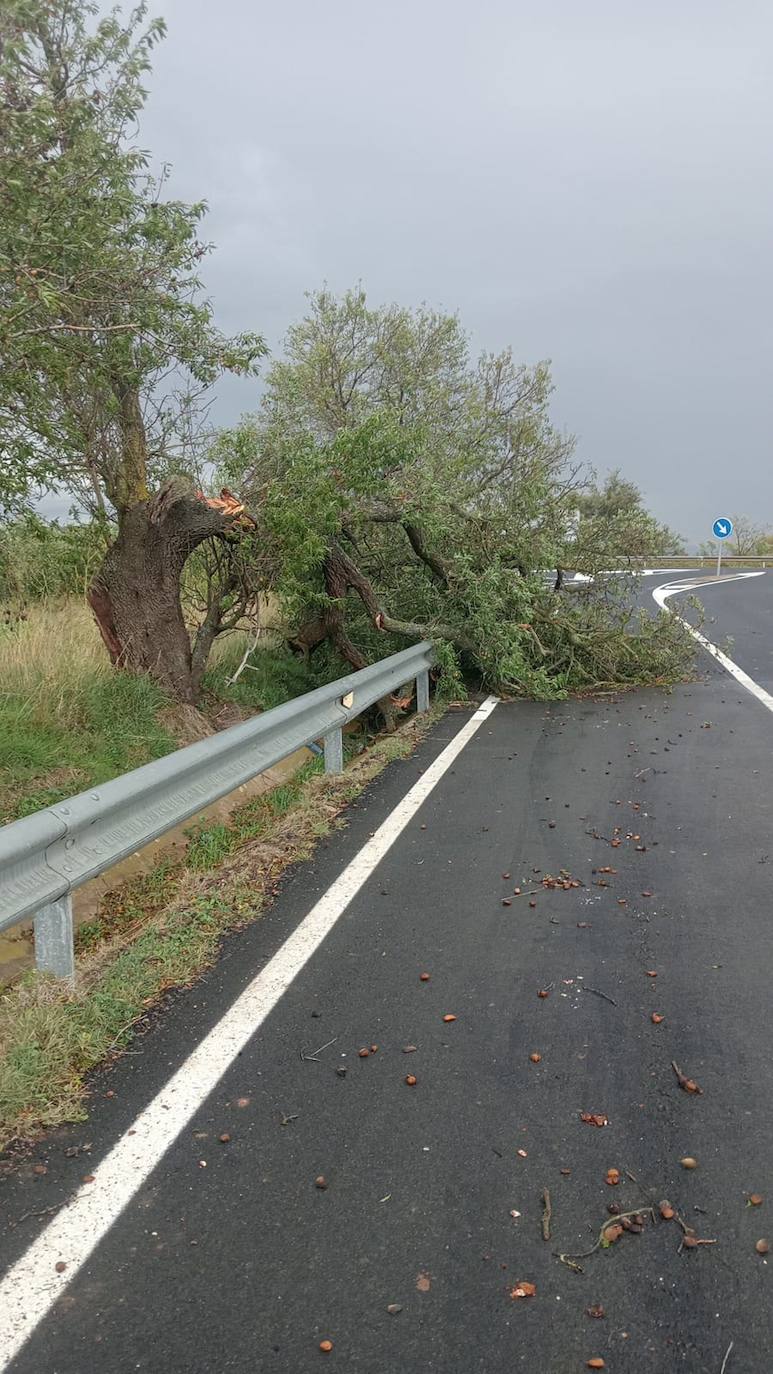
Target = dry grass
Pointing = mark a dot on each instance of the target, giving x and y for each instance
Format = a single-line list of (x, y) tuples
[(69, 721), (50, 1037), (48, 658), (55, 656)]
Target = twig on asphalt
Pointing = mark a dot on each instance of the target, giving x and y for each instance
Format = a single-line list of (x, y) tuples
[(285, 1120), (727, 1357), (690, 1242), (645, 1192), (571, 1260), (47, 1212), (686, 1230), (547, 1213), (585, 988), (313, 1058)]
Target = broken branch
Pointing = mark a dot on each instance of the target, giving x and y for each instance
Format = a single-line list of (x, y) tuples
[(547, 1213), (585, 988)]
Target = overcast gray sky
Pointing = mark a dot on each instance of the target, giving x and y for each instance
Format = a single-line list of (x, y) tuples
[(589, 182)]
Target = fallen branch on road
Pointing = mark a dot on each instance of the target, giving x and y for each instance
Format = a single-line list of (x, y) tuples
[(547, 1213), (611, 1000)]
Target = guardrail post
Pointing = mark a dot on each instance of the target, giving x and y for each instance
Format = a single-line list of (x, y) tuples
[(422, 691), (334, 752), (54, 951)]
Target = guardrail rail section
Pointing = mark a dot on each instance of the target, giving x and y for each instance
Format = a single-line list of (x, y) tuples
[(46, 856)]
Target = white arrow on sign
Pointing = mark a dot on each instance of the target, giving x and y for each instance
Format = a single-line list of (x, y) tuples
[(722, 527)]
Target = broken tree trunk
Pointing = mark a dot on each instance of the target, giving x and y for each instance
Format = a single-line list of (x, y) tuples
[(135, 596)]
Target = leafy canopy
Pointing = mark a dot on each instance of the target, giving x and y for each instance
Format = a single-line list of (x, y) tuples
[(102, 319), (419, 490)]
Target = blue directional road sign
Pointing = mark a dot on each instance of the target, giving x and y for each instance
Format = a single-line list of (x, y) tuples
[(722, 528)]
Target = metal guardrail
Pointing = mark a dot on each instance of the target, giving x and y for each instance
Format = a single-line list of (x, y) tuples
[(44, 857), (700, 560)]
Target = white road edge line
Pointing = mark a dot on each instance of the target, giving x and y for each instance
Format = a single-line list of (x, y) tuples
[(31, 1287), (667, 589)]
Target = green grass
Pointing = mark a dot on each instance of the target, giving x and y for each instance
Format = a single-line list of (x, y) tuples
[(275, 675), (57, 1038), (45, 760), (211, 844), (161, 932), (67, 720)]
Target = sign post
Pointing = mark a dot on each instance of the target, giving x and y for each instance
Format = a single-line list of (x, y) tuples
[(721, 529)]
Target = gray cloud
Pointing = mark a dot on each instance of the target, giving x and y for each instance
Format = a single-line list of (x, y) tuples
[(590, 183)]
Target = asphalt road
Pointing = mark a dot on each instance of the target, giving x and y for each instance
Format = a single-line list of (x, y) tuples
[(229, 1258)]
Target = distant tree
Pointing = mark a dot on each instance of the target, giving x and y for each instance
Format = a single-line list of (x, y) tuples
[(106, 339), (748, 540), (613, 514)]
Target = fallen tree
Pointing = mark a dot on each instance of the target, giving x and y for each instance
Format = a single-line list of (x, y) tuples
[(411, 491)]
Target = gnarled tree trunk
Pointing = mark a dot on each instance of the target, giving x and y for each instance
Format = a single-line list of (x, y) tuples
[(135, 596)]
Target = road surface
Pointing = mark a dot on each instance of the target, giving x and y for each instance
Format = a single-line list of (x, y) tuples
[(228, 1257)]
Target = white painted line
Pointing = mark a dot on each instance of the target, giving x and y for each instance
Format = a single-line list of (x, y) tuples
[(661, 595), (29, 1289)]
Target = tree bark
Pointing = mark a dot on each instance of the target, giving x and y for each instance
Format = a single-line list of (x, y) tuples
[(135, 596), (433, 561)]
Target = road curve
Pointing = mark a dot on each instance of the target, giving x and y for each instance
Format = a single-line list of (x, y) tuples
[(228, 1257)]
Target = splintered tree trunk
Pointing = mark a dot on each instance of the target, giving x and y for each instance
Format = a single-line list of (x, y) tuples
[(135, 596)]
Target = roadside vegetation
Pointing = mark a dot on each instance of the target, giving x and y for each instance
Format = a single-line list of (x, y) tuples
[(749, 539), (69, 721), (161, 933)]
